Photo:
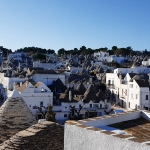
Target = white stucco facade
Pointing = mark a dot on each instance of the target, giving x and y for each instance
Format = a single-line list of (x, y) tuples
[(104, 56), (44, 65), (34, 97), (48, 79)]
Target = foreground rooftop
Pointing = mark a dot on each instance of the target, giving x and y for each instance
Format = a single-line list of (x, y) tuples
[(134, 135)]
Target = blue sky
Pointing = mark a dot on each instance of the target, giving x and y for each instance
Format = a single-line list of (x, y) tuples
[(55, 24)]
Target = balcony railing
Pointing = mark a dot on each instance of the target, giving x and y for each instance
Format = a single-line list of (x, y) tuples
[(111, 86)]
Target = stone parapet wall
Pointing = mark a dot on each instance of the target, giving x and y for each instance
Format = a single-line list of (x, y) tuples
[(81, 137), (86, 135)]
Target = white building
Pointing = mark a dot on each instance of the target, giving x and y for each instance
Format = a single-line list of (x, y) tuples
[(132, 88), (139, 69), (36, 95), (45, 76), (16, 55), (104, 56), (93, 104), (7, 84), (74, 69), (62, 112), (44, 65)]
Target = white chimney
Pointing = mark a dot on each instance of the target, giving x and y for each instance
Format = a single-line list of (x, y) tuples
[(90, 80), (120, 77), (70, 95), (27, 83), (20, 83), (19, 66)]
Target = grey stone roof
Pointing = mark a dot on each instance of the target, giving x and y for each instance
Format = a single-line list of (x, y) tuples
[(136, 64), (58, 86), (77, 77), (145, 59), (90, 94), (45, 136), (80, 89), (132, 75), (100, 96), (14, 116), (35, 68), (141, 77), (142, 83)]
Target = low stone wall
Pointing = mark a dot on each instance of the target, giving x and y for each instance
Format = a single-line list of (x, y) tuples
[(146, 114), (41, 136), (111, 119)]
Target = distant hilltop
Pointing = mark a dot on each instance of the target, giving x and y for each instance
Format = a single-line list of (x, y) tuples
[(75, 51)]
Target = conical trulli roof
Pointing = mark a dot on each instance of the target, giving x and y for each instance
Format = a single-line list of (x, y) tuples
[(81, 89), (90, 94), (14, 116)]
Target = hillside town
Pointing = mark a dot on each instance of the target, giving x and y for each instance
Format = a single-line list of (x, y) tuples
[(67, 92)]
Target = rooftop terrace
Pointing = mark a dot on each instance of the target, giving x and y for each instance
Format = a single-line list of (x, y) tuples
[(133, 132), (139, 128)]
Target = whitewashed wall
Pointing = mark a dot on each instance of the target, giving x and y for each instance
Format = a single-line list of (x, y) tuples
[(51, 78), (77, 138)]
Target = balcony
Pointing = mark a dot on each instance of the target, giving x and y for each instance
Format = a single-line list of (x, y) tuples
[(111, 86)]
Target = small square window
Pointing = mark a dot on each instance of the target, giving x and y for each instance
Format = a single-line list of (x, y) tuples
[(131, 85), (35, 107), (146, 97)]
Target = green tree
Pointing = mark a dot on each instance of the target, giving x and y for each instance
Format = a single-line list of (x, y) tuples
[(129, 48), (75, 49), (50, 115), (114, 48), (40, 56), (89, 51), (5, 51), (61, 51), (83, 48)]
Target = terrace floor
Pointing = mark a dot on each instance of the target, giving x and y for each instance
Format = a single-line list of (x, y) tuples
[(139, 128)]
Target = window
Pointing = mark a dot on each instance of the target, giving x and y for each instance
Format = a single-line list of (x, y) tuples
[(131, 85), (35, 107), (90, 105), (65, 115), (41, 104), (112, 81), (100, 105), (129, 104), (146, 97), (136, 96)]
